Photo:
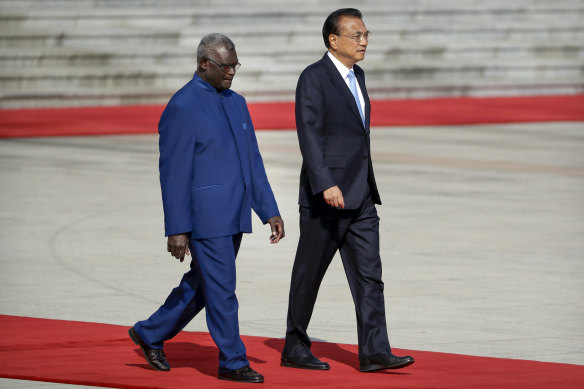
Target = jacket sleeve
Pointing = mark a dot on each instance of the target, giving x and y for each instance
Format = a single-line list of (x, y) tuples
[(177, 146), (310, 130), (263, 201)]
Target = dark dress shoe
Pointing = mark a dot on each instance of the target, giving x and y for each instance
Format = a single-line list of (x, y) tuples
[(383, 361), (155, 358), (302, 358), (245, 374)]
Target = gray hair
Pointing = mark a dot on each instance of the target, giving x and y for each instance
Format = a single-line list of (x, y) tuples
[(210, 42)]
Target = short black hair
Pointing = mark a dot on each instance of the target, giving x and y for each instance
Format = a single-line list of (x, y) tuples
[(331, 24)]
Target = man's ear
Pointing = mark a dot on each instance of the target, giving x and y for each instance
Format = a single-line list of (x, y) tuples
[(203, 64), (333, 40)]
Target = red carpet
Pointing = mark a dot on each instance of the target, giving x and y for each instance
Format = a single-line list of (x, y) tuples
[(144, 119), (103, 355)]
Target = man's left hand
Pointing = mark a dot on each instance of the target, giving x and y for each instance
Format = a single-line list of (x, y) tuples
[(277, 225)]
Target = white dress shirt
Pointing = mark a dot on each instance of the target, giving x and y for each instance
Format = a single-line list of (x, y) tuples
[(344, 73)]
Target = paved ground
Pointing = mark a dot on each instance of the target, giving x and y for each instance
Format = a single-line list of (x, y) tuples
[(482, 238)]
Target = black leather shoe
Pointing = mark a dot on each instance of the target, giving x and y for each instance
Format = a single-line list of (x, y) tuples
[(302, 358), (383, 361), (245, 374), (155, 358)]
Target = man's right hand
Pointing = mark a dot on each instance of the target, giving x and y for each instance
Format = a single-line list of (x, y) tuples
[(334, 197), (178, 246)]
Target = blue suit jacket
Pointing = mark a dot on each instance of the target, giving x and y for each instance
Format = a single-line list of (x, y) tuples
[(201, 194), (334, 142)]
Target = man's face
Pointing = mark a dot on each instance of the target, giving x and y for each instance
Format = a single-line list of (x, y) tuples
[(347, 49), (213, 73)]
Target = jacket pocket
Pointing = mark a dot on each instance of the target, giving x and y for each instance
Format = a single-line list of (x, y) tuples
[(205, 186)]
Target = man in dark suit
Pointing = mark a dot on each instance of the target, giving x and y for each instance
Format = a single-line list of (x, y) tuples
[(212, 176), (337, 197)]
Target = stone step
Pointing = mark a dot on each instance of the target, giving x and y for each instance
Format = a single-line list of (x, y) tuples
[(86, 38), (389, 34), (80, 96), (172, 55), (291, 4), (177, 17), (113, 76), (99, 39), (157, 4)]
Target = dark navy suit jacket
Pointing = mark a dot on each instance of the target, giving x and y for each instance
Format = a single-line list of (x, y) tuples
[(202, 193), (334, 142)]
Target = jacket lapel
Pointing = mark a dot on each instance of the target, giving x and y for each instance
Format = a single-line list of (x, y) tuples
[(343, 89), (361, 80)]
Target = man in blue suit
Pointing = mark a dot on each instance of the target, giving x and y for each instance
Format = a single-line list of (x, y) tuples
[(212, 176), (337, 198)]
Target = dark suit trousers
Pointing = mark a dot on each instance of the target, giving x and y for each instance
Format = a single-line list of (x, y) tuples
[(210, 284), (355, 233)]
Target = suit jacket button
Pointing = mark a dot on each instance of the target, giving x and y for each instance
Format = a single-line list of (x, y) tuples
[(365, 157)]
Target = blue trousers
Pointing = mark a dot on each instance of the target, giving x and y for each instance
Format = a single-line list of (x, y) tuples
[(210, 284)]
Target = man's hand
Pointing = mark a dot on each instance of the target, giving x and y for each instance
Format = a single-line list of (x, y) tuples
[(334, 197), (277, 225), (178, 246)]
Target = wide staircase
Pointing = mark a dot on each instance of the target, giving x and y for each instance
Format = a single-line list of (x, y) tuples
[(110, 52)]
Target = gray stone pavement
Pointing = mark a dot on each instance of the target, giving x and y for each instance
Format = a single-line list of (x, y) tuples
[(482, 238)]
